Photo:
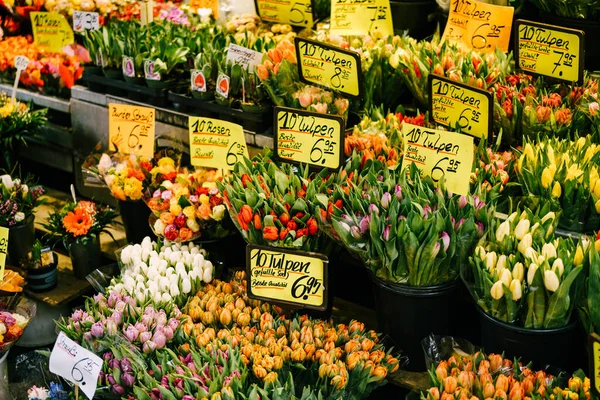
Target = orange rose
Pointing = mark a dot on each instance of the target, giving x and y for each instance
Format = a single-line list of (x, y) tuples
[(185, 233), (167, 218), (203, 212)]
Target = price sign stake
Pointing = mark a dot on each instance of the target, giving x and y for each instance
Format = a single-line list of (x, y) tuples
[(295, 278), (440, 154), (85, 21), (480, 26), (311, 138), (361, 18), (21, 63), (76, 364), (3, 250), (550, 50), (215, 143), (51, 31), (453, 103), (131, 129), (293, 12), (330, 67)]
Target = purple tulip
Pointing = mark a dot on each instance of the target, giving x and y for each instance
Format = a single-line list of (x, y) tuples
[(101, 378), (113, 298), (459, 224), (386, 233), (126, 365), (145, 336), (159, 339), (436, 249), (114, 364), (478, 203), (364, 224), (161, 318), (77, 315), (385, 200), (165, 381), (188, 397), (426, 211), (480, 228), (168, 332), (373, 209), (120, 306), (111, 380), (141, 327), (107, 356), (97, 329), (355, 231), (147, 320), (87, 336), (118, 389), (398, 192), (98, 298), (173, 323), (148, 347), (131, 333), (155, 394), (89, 318), (445, 240), (380, 178), (111, 327), (127, 379), (462, 201)]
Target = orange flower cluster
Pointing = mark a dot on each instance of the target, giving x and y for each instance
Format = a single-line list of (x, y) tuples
[(284, 50), (79, 221), (16, 46)]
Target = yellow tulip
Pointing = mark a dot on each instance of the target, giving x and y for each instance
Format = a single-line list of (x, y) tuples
[(597, 245), (581, 142), (520, 163), (549, 251), (525, 243), (574, 172), (597, 188), (578, 260), (502, 231), (547, 177), (528, 152), (515, 288), (597, 205), (556, 190), (551, 281), (497, 290), (558, 267), (518, 271), (522, 228), (531, 273)]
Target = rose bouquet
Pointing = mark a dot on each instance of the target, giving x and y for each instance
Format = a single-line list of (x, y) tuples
[(127, 176), (407, 230), (524, 276), (14, 322), (272, 205), (161, 273)]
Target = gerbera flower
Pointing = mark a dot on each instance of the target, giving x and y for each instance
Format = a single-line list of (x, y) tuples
[(77, 222)]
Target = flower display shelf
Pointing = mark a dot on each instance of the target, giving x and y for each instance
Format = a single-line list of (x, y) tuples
[(102, 84)]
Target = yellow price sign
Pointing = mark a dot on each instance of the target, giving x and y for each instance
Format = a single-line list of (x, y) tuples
[(440, 154), (329, 67), (594, 357), (457, 105), (51, 31), (293, 12), (295, 278), (549, 50), (359, 17), (480, 26), (131, 129), (310, 138), (3, 250), (215, 143)]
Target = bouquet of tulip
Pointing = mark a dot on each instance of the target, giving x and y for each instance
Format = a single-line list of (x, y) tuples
[(525, 277), (161, 273), (407, 230), (563, 174), (418, 59), (493, 171), (127, 176), (18, 200), (485, 377), (81, 222), (589, 314), (272, 205)]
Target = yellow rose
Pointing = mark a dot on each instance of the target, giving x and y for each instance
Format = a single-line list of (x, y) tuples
[(189, 212), (204, 199), (181, 191), (209, 185), (133, 188), (175, 209), (166, 161)]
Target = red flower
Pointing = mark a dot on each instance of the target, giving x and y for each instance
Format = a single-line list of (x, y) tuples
[(246, 213), (246, 179), (257, 222), (292, 226), (284, 218), (180, 221), (270, 233), (313, 227), (283, 233)]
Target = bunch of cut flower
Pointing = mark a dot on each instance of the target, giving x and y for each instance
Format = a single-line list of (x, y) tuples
[(127, 176), (18, 199), (408, 230), (419, 59), (524, 276), (493, 171), (486, 377), (272, 204), (563, 174)]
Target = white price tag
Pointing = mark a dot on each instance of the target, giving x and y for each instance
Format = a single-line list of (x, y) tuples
[(198, 81), (149, 71), (246, 58), (223, 85), (85, 21), (75, 364), (21, 62)]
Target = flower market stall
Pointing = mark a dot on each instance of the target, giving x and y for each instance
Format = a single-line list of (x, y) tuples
[(320, 199)]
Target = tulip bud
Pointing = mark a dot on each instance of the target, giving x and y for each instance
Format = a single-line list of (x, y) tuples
[(578, 260), (522, 228), (450, 384), (480, 252), (501, 263), (556, 190), (385, 200), (497, 290), (512, 217), (558, 267), (551, 215), (531, 273), (445, 240), (525, 243), (549, 251), (551, 281), (502, 231), (490, 260), (505, 277), (547, 177), (515, 288), (518, 271), (489, 390)]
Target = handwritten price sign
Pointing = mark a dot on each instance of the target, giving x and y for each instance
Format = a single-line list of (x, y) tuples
[(75, 364), (85, 21), (440, 154), (246, 58), (3, 250), (310, 138), (480, 26), (215, 143), (285, 276), (594, 341), (51, 31), (293, 12), (549, 50), (329, 66), (131, 129), (455, 104), (357, 17)]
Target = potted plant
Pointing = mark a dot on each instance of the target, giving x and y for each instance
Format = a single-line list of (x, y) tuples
[(203, 79), (41, 266), (18, 200), (254, 98), (107, 42), (78, 226), (166, 61), (135, 50)]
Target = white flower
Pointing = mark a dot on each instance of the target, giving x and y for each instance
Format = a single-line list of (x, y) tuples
[(141, 297), (480, 252), (548, 251), (174, 279), (193, 225), (109, 179), (558, 267), (497, 290), (174, 291), (531, 273), (512, 217), (147, 242), (166, 297), (218, 212), (159, 226), (522, 228), (104, 164), (7, 182), (152, 286), (175, 257), (126, 255), (20, 216), (490, 260), (515, 288), (551, 281), (203, 252), (193, 275), (198, 260), (179, 267), (506, 277), (194, 250), (502, 231), (145, 253), (166, 253), (501, 263), (157, 297), (25, 189), (38, 393), (207, 274), (551, 215), (188, 259), (204, 14), (164, 283), (167, 184), (186, 286), (525, 243), (518, 271)]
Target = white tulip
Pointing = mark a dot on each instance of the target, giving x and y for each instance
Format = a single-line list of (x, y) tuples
[(518, 271), (515, 288), (135, 259), (164, 283), (141, 297), (558, 267), (152, 286), (193, 275), (207, 275), (531, 254), (167, 253), (551, 281), (551, 215), (144, 267), (497, 290), (501, 263), (186, 286), (522, 228), (549, 251), (136, 270), (153, 253), (525, 243), (174, 291), (502, 231), (534, 227), (174, 279), (157, 297), (531, 273), (194, 250), (147, 242), (184, 247), (179, 267), (480, 252), (189, 258), (126, 255), (166, 297), (512, 217), (175, 257), (203, 252), (7, 182), (169, 272), (145, 253), (506, 277), (151, 273), (162, 267)]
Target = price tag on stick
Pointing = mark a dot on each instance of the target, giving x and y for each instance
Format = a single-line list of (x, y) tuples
[(131, 129), (85, 21), (3, 250), (51, 31), (330, 67), (452, 103), (294, 278), (357, 17), (549, 50), (480, 26), (76, 364), (440, 154), (307, 137), (215, 143), (21, 63), (293, 12)]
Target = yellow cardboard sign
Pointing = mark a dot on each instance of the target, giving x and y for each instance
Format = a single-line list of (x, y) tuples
[(453, 103), (329, 66), (440, 154), (480, 26), (596, 364), (286, 276), (51, 31), (131, 129), (359, 17), (293, 12), (550, 50), (215, 143), (308, 137), (3, 250)]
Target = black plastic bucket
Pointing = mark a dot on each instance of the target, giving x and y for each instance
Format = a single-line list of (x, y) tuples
[(409, 314), (135, 220), (554, 347), (20, 241), (416, 16), (43, 279)]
